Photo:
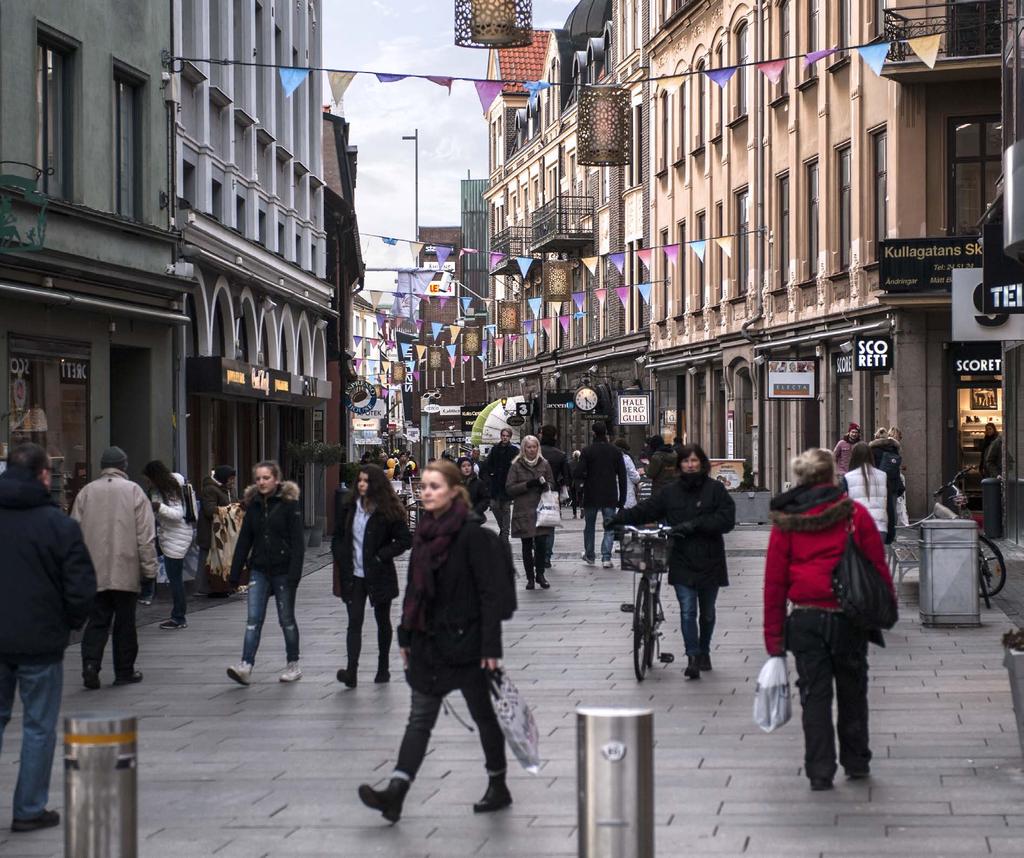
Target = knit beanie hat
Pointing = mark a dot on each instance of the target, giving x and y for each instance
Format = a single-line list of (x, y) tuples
[(223, 473), (114, 457)]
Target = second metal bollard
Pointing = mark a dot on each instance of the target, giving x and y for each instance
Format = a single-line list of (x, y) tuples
[(615, 780), (100, 787)]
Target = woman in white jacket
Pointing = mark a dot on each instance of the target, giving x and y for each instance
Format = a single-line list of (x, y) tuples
[(867, 485), (174, 534), (632, 474)]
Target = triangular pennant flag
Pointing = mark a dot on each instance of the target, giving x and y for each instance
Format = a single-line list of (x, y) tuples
[(721, 76), (564, 322), (927, 48), (421, 351), (390, 78), (579, 299), (291, 78), (416, 375), (813, 57), (446, 82), (671, 82), (645, 291), (671, 252), (487, 91), (725, 245), (600, 294), (443, 300), (534, 87), (406, 348), (339, 82), (578, 314), (528, 326), (357, 342), (416, 247), (382, 320), (443, 252), (465, 304), (358, 363), (618, 260), (546, 324), (645, 257), (874, 56), (623, 293), (524, 263), (591, 263), (531, 339), (496, 259), (454, 331), (699, 247), (435, 329), (466, 358), (772, 69), (451, 349), (419, 324), (535, 305)]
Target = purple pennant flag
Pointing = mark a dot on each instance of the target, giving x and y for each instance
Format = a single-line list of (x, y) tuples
[(443, 252), (291, 79), (466, 358), (528, 326), (813, 57), (416, 375), (623, 293), (618, 260), (357, 341), (390, 78), (446, 82), (564, 322), (487, 91), (496, 259), (579, 299), (419, 324), (721, 76), (381, 320), (444, 300)]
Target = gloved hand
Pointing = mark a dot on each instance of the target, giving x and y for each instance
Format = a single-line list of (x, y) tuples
[(535, 483), (686, 528)]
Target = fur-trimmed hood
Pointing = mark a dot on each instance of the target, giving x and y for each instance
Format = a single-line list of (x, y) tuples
[(814, 520), (886, 444), (287, 490)]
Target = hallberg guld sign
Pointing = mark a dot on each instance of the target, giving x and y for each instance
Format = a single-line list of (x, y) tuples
[(925, 264)]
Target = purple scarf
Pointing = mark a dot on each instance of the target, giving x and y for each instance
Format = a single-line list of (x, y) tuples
[(430, 546)]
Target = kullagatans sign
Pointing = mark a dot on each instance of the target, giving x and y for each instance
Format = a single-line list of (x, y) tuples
[(925, 264)]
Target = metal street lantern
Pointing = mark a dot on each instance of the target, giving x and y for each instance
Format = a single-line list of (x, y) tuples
[(604, 131), (557, 281), (510, 317), (493, 23)]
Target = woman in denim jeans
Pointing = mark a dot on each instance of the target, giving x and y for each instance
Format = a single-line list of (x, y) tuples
[(272, 544), (174, 534)]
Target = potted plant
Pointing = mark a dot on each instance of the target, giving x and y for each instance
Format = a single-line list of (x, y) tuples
[(321, 456), (1013, 659), (752, 501)]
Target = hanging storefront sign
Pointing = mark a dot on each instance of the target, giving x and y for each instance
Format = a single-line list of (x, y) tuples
[(792, 379), (472, 341), (925, 264), (562, 400), (970, 322), (450, 411), (977, 360), (634, 409), (360, 398), (1003, 277), (730, 434), (20, 230), (468, 416), (872, 354), (844, 364)]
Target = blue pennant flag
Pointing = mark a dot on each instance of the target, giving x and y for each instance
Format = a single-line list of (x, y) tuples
[(535, 87), (645, 291), (465, 304), (291, 78), (531, 339), (578, 314), (391, 241), (535, 305), (435, 328), (524, 264), (874, 56), (451, 350)]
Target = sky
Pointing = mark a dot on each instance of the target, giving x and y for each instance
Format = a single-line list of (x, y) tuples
[(412, 36)]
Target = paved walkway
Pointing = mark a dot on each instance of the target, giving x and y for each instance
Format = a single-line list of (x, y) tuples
[(271, 770)]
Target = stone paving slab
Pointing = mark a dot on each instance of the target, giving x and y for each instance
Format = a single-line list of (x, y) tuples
[(271, 770)]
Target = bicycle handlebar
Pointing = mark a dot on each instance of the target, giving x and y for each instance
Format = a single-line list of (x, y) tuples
[(952, 483), (657, 530)]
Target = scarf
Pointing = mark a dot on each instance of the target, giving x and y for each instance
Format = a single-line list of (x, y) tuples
[(430, 546), (692, 481), (531, 462), (802, 498)]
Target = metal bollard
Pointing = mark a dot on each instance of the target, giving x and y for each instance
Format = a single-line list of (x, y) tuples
[(615, 782), (100, 787)]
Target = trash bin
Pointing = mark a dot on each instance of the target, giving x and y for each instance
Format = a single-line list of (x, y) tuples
[(949, 573), (615, 779), (100, 788), (992, 507)]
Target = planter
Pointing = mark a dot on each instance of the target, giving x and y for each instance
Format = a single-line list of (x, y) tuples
[(1014, 662), (752, 507)]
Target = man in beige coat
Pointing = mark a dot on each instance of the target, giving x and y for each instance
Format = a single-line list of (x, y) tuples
[(120, 533)]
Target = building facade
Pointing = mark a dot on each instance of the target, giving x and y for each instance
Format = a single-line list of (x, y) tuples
[(91, 309)]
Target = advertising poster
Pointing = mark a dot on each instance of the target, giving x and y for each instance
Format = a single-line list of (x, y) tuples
[(792, 379)]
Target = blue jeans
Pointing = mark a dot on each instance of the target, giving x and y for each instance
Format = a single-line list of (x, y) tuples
[(698, 642), (590, 523), (261, 586), (549, 548), (175, 569), (40, 687)]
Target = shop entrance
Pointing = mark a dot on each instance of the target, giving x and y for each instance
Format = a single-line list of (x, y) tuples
[(130, 416), (977, 406)]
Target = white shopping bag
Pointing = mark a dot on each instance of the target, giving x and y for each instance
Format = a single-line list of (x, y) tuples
[(772, 707), (549, 510), (516, 721)]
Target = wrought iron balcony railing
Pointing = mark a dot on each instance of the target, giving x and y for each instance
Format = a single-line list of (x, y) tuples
[(512, 241), (564, 224), (971, 29)]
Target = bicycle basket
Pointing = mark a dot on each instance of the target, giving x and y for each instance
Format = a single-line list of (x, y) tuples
[(641, 553)]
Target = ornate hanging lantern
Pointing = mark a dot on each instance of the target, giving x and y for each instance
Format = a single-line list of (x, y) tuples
[(510, 317), (472, 341), (436, 357), (398, 373), (605, 126), (493, 23), (557, 281)]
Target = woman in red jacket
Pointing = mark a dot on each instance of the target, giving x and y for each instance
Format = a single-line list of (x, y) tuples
[(810, 526)]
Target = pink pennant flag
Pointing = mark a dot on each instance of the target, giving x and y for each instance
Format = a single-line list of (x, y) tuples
[(772, 69), (546, 324), (623, 293), (466, 358), (496, 259), (444, 300), (452, 360), (446, 82), (645, 257), (672, 253), (416, 375), (564, 322), (487, 91), (600, 294)]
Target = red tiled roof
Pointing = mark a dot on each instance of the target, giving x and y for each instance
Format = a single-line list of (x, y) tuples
[(524, 63)]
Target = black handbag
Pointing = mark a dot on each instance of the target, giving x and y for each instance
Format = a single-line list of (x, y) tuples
[(861, 591)]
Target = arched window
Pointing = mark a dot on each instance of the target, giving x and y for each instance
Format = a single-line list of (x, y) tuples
[(664, 156), (701, 105), (720, 63), (218, 346), (742, 57), (682, 118)]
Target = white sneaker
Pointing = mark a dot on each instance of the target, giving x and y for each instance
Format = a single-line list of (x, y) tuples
[(292, 672), (606, 564), (241, 672)]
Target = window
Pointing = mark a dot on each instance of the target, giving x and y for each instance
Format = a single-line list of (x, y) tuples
[(666, 281), (681, 267), (719, 256), (879, 17), (812, 36), (702, 286), (240, 224), (701, 103), (742, 241), (53, 131), (216, 200), (812, 219), (682, 120), (636, 165), (783, 234), (881, 225), (845, 206), (975, 145), (720, 63), (666, 133), (843, 23), (784, 44), (742, 57), (126, 148)]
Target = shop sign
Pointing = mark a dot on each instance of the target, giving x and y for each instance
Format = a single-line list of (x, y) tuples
[(924, 264), (791, 379), (21, 235), (431, 408), (515, 420), (360, 397), (977, 359), (872, 354), (469, 414), (450, 411), (970, 321), (561, 400), (670, 417), (1003, 277), (730, 434), (412, 434), (73, 371), (844, 364), (261, 380), (365, 424), (634, 409)]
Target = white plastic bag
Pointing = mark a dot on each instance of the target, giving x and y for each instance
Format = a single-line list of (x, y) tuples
[(516, 721), (549, 511), (772, 707)]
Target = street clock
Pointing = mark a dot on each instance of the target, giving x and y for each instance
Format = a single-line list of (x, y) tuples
[(586, 399)]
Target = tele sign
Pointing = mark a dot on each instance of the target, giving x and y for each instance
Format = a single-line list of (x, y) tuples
[(872, 354)]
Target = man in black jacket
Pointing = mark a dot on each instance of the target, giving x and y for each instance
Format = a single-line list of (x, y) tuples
[(49, 587), (496, 468), (602, 472)]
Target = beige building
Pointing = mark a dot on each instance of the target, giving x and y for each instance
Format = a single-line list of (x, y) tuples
[(846, 160)]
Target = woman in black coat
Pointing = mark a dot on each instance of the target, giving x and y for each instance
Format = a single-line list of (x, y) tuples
[(450, 635), (700, 511), (370, 531)]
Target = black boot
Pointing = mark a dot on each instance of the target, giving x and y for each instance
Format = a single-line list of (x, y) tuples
[(529, 576), (542, 581), (387, 801), (692, 667), (91, 676), (383, 674), (704, 661), (348, 675), (497, 796)]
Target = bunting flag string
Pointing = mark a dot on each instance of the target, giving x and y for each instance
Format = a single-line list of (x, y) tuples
[(725, 245), (435, 329), (524, 263), (773, 68), (564, 322), (927, 48), (723, 75), (671, 252), (600, 294), (496, 259), (534, 304), (874, 56)]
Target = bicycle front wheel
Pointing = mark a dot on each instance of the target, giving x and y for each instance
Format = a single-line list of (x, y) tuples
[(643, 629), (991, 567)]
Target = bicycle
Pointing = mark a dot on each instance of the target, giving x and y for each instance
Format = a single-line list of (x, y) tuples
[(644, 551)]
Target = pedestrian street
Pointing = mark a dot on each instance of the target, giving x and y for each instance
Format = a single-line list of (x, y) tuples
[(272, 770)]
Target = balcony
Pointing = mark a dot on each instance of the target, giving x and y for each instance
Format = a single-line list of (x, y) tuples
[(970, 46), (564, 225), (512, 241)]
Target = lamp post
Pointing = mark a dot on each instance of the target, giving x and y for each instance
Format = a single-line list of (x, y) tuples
[(415, 137)]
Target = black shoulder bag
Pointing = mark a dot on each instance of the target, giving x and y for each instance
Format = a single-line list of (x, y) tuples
[(861, 591)]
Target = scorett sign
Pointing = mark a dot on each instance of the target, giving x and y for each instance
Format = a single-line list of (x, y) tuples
[(925, 264)]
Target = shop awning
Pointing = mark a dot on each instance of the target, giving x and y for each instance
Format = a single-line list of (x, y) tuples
[(56, 298), (489, 423)]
